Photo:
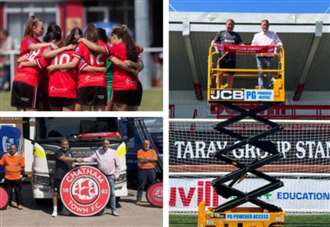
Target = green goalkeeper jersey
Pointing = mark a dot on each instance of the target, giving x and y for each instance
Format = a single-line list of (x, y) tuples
[(109, 76)]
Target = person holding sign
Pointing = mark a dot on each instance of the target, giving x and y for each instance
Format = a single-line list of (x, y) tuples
[(106, 162), (265, 60), (228, 36), (63, 165)]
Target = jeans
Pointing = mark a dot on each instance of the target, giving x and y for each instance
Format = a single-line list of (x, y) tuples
[(111, 179), (265, 79), (145, 178), (15, 185)]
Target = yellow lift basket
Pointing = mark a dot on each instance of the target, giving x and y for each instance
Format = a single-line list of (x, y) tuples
[(219, 92)]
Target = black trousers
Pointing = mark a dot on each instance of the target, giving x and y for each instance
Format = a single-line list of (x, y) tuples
[(145, 179), (14, 185)]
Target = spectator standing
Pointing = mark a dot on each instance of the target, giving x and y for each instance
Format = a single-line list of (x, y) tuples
[(147, 161), (6, 44), (13, 164), (266, 60)]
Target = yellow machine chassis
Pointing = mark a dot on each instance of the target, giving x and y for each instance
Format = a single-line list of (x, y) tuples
[(239, 217), (216, 73)]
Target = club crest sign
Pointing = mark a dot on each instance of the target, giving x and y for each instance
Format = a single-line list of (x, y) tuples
[(155, 194), (85, 191), (4, 198)]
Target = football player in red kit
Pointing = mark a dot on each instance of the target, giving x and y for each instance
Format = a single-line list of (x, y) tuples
[(24, 90), (127, 89), (92, 93), (62, 87), (92, 85), (122, 64), (33, 30)]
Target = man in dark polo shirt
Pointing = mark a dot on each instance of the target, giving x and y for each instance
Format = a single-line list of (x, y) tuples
[(228, 36), (63, 164)]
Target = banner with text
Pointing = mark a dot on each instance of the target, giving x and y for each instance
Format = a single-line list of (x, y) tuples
[(300, 143), (297, 195)]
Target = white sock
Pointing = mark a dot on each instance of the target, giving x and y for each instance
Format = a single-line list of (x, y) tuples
[(55, 208)]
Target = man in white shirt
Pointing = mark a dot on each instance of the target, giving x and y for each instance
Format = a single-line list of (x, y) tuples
[(107, 163), (266, 60)]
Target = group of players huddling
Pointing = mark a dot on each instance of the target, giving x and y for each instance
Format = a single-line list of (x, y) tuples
[(80, 72)]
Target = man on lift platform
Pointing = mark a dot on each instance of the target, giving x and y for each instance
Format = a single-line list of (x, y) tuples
[(266, 60), (246, 78), (227, 36)]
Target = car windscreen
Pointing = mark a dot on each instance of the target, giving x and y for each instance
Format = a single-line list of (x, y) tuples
[(47, 128)]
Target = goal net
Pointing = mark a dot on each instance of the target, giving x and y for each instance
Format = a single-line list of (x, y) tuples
[(304, 167)]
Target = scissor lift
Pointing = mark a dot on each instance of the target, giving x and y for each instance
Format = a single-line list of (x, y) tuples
[(231, 214)]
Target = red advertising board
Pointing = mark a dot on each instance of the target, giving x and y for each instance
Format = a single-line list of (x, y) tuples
[(155, 194), (4, 198)]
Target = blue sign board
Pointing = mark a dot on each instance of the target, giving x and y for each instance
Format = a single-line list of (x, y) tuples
[(8, 135), (251, 6)]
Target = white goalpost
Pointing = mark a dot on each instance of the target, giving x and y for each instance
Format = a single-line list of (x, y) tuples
[(304, 166)]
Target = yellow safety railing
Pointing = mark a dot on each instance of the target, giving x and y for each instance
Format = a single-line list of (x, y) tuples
[(216, 74)]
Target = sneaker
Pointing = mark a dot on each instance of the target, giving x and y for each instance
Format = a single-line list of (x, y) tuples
[(115, 213), (20, 207), (54, 214), (139, 203)]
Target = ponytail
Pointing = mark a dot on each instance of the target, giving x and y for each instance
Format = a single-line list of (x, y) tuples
[(91, 33), (30, 23), (51, 36), (54, 32), (123, 33), (102, 35), (70, 39)]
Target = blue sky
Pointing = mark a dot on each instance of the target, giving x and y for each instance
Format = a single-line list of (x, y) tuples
[(271, 6)]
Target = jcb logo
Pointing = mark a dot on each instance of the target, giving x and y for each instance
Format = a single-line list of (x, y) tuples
[(227, 95)]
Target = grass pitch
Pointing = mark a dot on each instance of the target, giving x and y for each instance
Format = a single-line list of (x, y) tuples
[(152, 100)]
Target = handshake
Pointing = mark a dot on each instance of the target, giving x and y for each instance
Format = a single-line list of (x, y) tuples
[(78, 160)]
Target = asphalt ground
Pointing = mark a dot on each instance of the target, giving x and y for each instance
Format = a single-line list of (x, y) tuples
[(40, 215)]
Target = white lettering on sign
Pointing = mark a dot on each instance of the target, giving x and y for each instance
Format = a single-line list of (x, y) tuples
[(227, 95), (299, 149), (297, 195)]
